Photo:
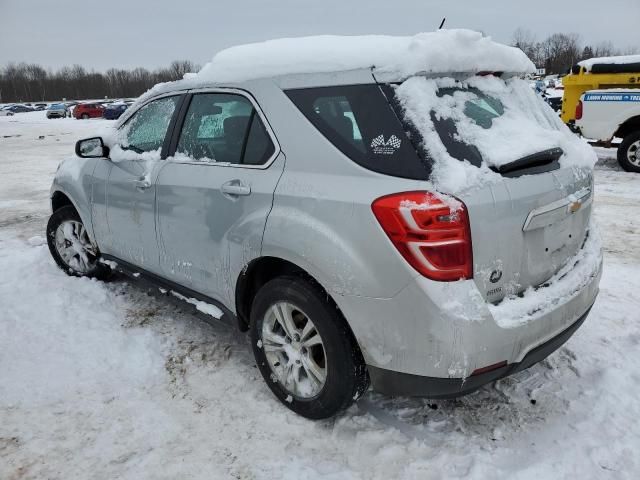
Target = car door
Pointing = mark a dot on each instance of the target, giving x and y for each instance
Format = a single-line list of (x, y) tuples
[(129, 196), (214, 195)]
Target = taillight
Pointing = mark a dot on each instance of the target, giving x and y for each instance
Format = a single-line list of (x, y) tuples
[(433, 237), (579, 110)]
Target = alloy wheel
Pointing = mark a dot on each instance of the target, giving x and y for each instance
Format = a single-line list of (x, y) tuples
[(74, 247), (294, 350), (633, 153)]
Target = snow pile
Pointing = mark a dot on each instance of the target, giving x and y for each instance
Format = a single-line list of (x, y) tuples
[(69, 343), (430, 52), (617, 60), (569, 281), (526, 125)]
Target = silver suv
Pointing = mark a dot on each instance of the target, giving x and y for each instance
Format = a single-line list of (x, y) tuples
[(302, 208)]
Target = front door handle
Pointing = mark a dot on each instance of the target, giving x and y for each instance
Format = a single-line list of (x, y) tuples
[(142, 183), (235, 188)]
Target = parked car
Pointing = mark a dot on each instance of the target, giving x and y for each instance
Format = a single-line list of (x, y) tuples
[(57, 110), (40, 106), (553, 96), (601, 115), (5, 112), (19, 109), (343, 261), (88, 110), (114, 110)]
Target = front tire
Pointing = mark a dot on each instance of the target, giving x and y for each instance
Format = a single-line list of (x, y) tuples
[(71, 247), (304, 349), (85, 116), (629, 152)]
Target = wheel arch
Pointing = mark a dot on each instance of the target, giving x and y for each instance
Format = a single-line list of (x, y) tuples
[(253, 276), (628, 126), (60, 199), (262, 269)]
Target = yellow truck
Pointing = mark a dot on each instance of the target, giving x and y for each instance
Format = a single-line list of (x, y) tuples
[(598, 74)]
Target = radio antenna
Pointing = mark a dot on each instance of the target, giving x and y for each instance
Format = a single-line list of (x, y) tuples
[(442, 23)]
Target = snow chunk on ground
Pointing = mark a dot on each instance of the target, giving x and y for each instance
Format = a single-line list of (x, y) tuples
[(36, 241), (431, 52), (69, 336), (201, 306), (617, 60)]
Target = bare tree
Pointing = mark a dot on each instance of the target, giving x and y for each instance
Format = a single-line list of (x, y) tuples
[(604, 49), (30, 82)]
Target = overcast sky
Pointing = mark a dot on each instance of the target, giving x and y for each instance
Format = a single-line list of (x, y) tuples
[(150, 33)]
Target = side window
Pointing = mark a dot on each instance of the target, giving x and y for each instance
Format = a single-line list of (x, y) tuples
[(220, 127), (359, 121), (259, 146), (146, 129), (338, 114)]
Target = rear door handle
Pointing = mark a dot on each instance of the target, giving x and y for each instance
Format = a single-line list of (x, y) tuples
[(235, 188)]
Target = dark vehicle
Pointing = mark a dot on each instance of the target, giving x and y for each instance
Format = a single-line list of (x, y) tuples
[(554, 102), (57, 110), (114, 110), (88, 110), (40, 106), (19, 109)]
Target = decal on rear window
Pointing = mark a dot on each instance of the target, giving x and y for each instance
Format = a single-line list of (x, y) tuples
[(380, 147)]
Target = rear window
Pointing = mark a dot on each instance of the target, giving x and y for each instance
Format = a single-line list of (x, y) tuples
[(358, 120), (484, 121)]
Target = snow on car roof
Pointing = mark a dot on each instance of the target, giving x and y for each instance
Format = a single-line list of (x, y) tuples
[(439, 52), (617, 60), (430, 52)]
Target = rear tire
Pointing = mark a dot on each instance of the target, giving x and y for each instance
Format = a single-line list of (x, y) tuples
[(629, 152), (71, 247), (335, 377)]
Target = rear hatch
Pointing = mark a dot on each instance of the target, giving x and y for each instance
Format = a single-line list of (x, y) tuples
[(525, 229), (524, 178)]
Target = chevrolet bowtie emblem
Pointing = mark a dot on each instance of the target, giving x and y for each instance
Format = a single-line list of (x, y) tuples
[(574, 207)]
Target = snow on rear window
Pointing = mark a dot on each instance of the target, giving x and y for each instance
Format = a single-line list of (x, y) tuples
[(495, 121)]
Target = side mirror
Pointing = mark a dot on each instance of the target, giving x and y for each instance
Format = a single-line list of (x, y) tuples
[(91, 148)]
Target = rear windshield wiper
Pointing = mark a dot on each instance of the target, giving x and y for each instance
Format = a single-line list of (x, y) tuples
[(538, 159)]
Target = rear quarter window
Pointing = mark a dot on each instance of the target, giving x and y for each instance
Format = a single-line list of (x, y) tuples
[(358, 120)]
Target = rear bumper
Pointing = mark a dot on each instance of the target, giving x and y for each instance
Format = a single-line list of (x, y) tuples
[(430, 338), (396, 383)]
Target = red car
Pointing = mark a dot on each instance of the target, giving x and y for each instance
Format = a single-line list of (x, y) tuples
[(88, 110)]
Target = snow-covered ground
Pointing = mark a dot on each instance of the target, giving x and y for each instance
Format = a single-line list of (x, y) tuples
[(99, 380)]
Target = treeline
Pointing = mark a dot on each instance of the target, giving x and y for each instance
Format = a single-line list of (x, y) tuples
[(559, 52), (24, 82)]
